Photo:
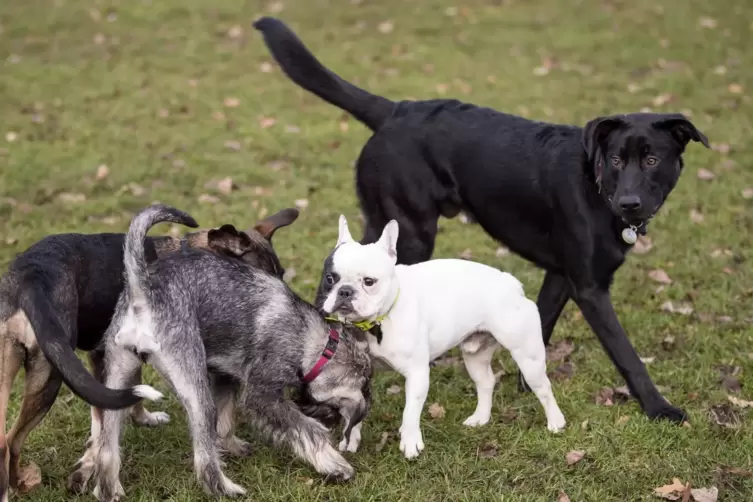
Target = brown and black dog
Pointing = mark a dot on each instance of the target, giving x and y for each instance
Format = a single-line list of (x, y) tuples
[(59, 295)]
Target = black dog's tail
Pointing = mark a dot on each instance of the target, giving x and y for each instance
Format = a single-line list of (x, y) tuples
[(134, 256), (305, 70), (35, 302)]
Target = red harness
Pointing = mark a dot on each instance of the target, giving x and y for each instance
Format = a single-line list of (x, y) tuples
[(327, 354)]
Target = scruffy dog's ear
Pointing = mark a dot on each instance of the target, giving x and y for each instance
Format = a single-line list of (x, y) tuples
[(269, 225), (682, 129), (229, 241)]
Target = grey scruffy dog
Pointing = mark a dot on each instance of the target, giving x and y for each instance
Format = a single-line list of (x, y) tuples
[(194, 310)]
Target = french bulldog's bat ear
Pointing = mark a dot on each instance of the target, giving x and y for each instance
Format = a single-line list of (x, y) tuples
[(388, 240), (344, 236)]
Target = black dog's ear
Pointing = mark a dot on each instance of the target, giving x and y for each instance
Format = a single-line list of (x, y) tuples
[(269, 225), (229, 241), (596, 131), (682, 129)]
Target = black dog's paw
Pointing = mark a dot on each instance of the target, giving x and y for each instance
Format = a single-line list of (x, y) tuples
[(522, 385), (668, 412)]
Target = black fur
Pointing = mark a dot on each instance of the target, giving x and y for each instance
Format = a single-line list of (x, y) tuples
[(552, 193)]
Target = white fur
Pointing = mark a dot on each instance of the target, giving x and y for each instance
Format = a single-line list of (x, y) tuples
[(442, 303), (148, 392)]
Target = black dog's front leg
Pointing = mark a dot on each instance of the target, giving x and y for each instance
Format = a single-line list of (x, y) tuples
[(596, 305), (553, 295)]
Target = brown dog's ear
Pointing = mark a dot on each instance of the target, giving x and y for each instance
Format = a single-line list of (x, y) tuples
[(596, 131), (269, 225), (229, 241), (682, 129)]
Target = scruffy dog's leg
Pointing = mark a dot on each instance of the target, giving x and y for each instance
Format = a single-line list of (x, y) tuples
[(284, 424)]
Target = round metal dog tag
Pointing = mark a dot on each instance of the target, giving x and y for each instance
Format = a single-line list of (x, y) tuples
[(629, 235)]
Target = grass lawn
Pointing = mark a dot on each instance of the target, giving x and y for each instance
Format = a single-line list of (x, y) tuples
[(171, 96)]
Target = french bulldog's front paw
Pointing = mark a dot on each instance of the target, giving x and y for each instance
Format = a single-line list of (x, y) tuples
[(557, 422), (411, 443), (476, 420)]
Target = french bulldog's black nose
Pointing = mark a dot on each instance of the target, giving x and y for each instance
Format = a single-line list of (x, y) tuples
[(630, 203), (345, 292)]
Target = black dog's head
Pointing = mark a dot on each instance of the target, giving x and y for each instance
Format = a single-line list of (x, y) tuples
[(255, 245), (637, 159)]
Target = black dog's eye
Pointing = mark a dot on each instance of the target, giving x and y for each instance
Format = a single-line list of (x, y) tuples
[(330, 279), (616, 162), (368, 281), (651, 161)]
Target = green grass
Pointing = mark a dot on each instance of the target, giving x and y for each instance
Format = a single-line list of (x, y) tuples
[(140, 86)]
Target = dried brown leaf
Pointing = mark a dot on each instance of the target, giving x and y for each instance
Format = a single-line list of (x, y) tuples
[(267, 122), (735, 88), (741, 403), (574, 456), (235, 31), (102, 172), (559, 350), (205, 198), (623, 420), (705, 494), (386, 27), (737, 471), (696, 216), (747, 193), (643, 245), (501, 251), (394, 389), (231, 102), (683, 308), (563, 372), (671, 492), (605, 396), (705, 175), (436, 411), (660, 276), (289, 274), (707, 22), (487, 450), (71, 198), (725, 415), (466, 254), (232, 144), (302, 203)]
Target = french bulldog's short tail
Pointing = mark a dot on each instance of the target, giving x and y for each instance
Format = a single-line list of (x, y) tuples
[(134, 255), (36, 303), (300, 65)]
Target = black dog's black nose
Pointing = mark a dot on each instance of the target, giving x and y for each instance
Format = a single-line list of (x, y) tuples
[(345, 292), (630, 203)]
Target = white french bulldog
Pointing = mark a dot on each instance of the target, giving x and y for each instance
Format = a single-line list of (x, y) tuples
[(426, 309)]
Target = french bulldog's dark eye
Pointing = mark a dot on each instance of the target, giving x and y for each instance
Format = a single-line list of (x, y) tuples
[(651, 161), (368, 282), (330, 279), (617, 162)]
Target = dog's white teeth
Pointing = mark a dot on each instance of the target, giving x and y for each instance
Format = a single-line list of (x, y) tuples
[(147, 392)]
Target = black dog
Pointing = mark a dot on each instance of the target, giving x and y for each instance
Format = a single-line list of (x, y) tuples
[(569, 199)]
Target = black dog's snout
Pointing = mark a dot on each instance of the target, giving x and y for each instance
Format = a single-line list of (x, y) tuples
[(630, 203), (346, 293)]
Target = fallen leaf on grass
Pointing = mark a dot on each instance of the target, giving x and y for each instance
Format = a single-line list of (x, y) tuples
[(737, 471), (705, 494), (648, 360), (662, 99), (563, 497), (224, 186), (436, 411), (668, 343), (306, 480), (643, 245), (501, 251), (683, 308), (208, 199), (488, 450), (696, 216), (725, 415), (233, 145), (562, 372), (747, 193), (71, 198), (289, 274), (731, 383), (232, 102), (660, 276), (574, 456), (674, 491), (559, 351), (267, 122), (466, 254), (605, 396), (386, 27), (705, 174), (302, 203), (707, 22), (623, 420), (742, 403), (735, 88), (382, 441), (394, 389), (102, 172)]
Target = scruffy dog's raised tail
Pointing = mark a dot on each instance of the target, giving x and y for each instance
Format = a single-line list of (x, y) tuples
[(134, 254), (305, 70)]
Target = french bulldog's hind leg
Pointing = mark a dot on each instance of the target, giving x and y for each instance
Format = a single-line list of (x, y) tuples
[(520, 332), (478, 351)]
